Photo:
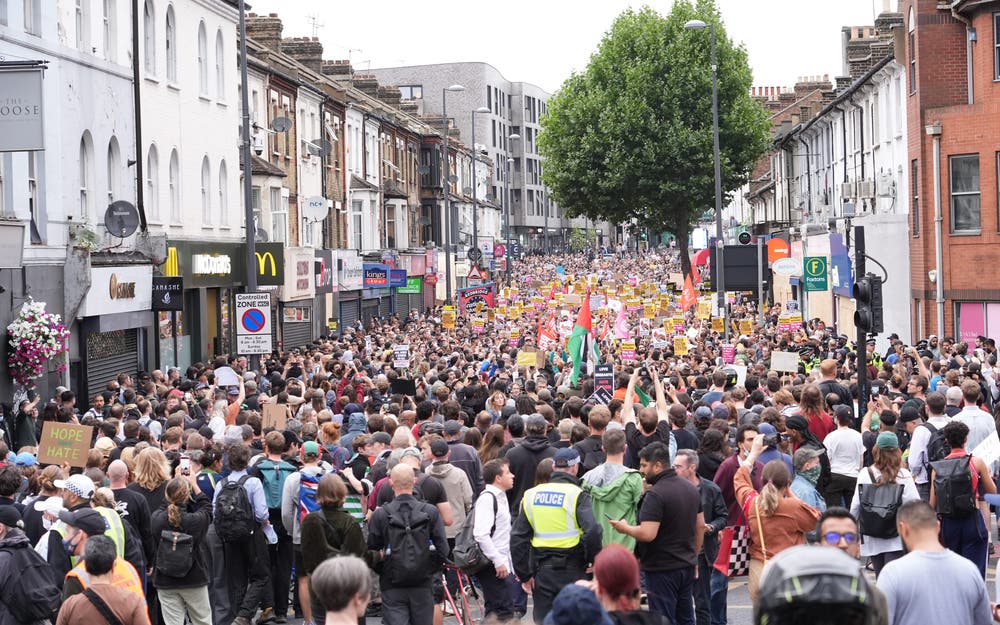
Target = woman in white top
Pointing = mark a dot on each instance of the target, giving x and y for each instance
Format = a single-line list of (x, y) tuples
[(888, 462)]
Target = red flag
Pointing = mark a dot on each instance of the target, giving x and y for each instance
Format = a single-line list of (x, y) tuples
[(688, 297)]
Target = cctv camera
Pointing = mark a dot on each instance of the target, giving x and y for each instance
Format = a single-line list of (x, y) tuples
[(258, 145)]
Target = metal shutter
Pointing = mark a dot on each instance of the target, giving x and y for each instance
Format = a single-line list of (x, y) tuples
[(369, 310), (296, 333), (350, 312), (385, 306), (108, 354)]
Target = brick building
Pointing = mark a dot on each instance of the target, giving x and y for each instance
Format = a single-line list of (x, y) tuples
[(953, 120)]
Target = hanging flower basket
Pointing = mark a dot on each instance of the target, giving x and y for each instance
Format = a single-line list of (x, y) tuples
[(36, 338)]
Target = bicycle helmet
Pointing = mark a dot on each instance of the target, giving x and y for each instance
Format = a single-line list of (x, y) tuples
[(819, 586)]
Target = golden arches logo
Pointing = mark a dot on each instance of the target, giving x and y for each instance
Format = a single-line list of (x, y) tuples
[(171, 267), (262, 261)]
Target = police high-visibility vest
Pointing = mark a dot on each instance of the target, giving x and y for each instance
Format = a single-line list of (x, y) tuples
[(123, 575), (551, 512), (115, 531)]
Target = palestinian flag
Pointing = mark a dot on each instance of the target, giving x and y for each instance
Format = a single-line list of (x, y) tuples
[(581, 346)]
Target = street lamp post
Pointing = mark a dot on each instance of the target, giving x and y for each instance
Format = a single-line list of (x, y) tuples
[(510, 138), (475, 181), (448, 221), (719, 242)]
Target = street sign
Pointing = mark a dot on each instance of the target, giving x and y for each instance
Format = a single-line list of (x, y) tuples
[(475, 254), (431, 279), (499, 250), (253, 323), (475, 273), (515, 249), (814, 273)]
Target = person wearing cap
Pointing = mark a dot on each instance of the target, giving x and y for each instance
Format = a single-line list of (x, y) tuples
[(81, 525), (576, 604), (888, 468), (455, 482), (772, 451), (672, 526), (77, 491), (799, 433), (100, 560), (931, 584), (555, 536), (312, 455), (525, 456), (464, 457), (807, 469)]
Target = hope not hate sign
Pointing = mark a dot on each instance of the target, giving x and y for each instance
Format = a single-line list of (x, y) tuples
[(64, 442)]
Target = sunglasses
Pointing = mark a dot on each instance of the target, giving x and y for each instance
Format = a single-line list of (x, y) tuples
[(833, 538)]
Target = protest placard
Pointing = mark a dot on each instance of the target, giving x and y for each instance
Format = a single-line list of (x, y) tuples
[(64, 442)]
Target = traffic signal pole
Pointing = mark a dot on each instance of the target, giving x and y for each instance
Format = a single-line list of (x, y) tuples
[(864, 388)]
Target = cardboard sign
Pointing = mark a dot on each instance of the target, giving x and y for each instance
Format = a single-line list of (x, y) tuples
[(680, 346), (572, 299), (746, 326), (527, 359), (785, 361), (64, 442), (448, 318), (718, 324), (275, 416)]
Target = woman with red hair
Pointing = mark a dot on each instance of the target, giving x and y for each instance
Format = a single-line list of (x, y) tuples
[(616, 584)]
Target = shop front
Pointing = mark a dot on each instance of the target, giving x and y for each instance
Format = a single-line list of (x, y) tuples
[(296, 298), (350, 279), (411, 296), (325, 283), (117, 325), (202, 329), (376, 297), (975, 319)]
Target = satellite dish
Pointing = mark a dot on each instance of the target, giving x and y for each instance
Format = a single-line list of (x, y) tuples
[(281, 124), (319, 147), (121, 219), (260, 235), (314, 208)]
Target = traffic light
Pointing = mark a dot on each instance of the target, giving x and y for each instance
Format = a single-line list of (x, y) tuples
[(868, 302)]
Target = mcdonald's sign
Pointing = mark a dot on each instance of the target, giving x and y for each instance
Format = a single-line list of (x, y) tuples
[(270, 264), (171, 268)]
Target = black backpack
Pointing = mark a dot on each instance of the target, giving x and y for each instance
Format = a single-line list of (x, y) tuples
[(937, 447), (175, 553), (30, 592), (954, 494), (234, 517), (879, 505), (410, 556)]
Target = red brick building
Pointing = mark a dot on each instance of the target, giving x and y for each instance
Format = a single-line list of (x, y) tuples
[(953, 78)]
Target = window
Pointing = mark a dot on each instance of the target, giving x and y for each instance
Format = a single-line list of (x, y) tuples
[(915, 199), (996, 46), (912, 45), (356, 209), (171, 37), (33, 17), (965, 207), (411, 92), (110, 30), (3, 14), (114, 170), (34, 210), (82, 25), (220, 68), (149, 36), (390, 226), (255, 206), (223, 194), (152, 199), (202, 60), (279, 217), (206, 197), (174, 184), (86, 172)]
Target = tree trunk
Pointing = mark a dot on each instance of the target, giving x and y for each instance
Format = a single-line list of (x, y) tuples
[(681, 234)]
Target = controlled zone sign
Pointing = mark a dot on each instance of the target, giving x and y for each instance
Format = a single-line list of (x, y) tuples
[(253, 323)]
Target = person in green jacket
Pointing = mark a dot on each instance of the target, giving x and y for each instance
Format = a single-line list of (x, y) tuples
[(614, 489)]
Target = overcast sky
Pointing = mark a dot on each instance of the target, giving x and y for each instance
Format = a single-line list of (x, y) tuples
[(543, 41)]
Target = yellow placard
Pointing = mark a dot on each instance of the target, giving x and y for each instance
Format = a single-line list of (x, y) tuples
[(448, 318), (718, 324), (704, 310), (526, 359), (649, 311), (746, 326), (680, 346)]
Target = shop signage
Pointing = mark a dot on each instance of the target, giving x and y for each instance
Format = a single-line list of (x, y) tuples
[(397, 278), (211, 265), (168, 293), (206, 264), (118, 289), (815, 274), (350, 271), (376, 275), (326, 272), (21, 108), (412, 286), (300, 278), (253, 323), (270, 264)]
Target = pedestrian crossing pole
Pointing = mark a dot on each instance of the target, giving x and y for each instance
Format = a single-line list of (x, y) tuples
[(864, 386)]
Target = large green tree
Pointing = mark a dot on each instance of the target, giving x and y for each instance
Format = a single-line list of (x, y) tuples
[(631, 136)]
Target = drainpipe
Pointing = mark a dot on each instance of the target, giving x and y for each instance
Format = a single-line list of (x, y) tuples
[(970, 37), (934, 130)]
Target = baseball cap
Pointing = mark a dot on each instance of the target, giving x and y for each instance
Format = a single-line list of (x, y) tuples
[(233, 390), (25, 459), (105, 445), (52, 505), (703, 413), (79, 485), (9, 516), (720, 411), (291, 437), (439, 448), (908, 413), (565, 458), (310, 448), (86, 519), (887, 440), (575, 604), (452, 428), (766, 429)]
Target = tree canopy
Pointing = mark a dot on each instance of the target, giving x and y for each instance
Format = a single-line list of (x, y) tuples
[(631, 136)]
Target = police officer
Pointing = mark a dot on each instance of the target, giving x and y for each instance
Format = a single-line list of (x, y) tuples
[(555, 537), (809, 358)]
